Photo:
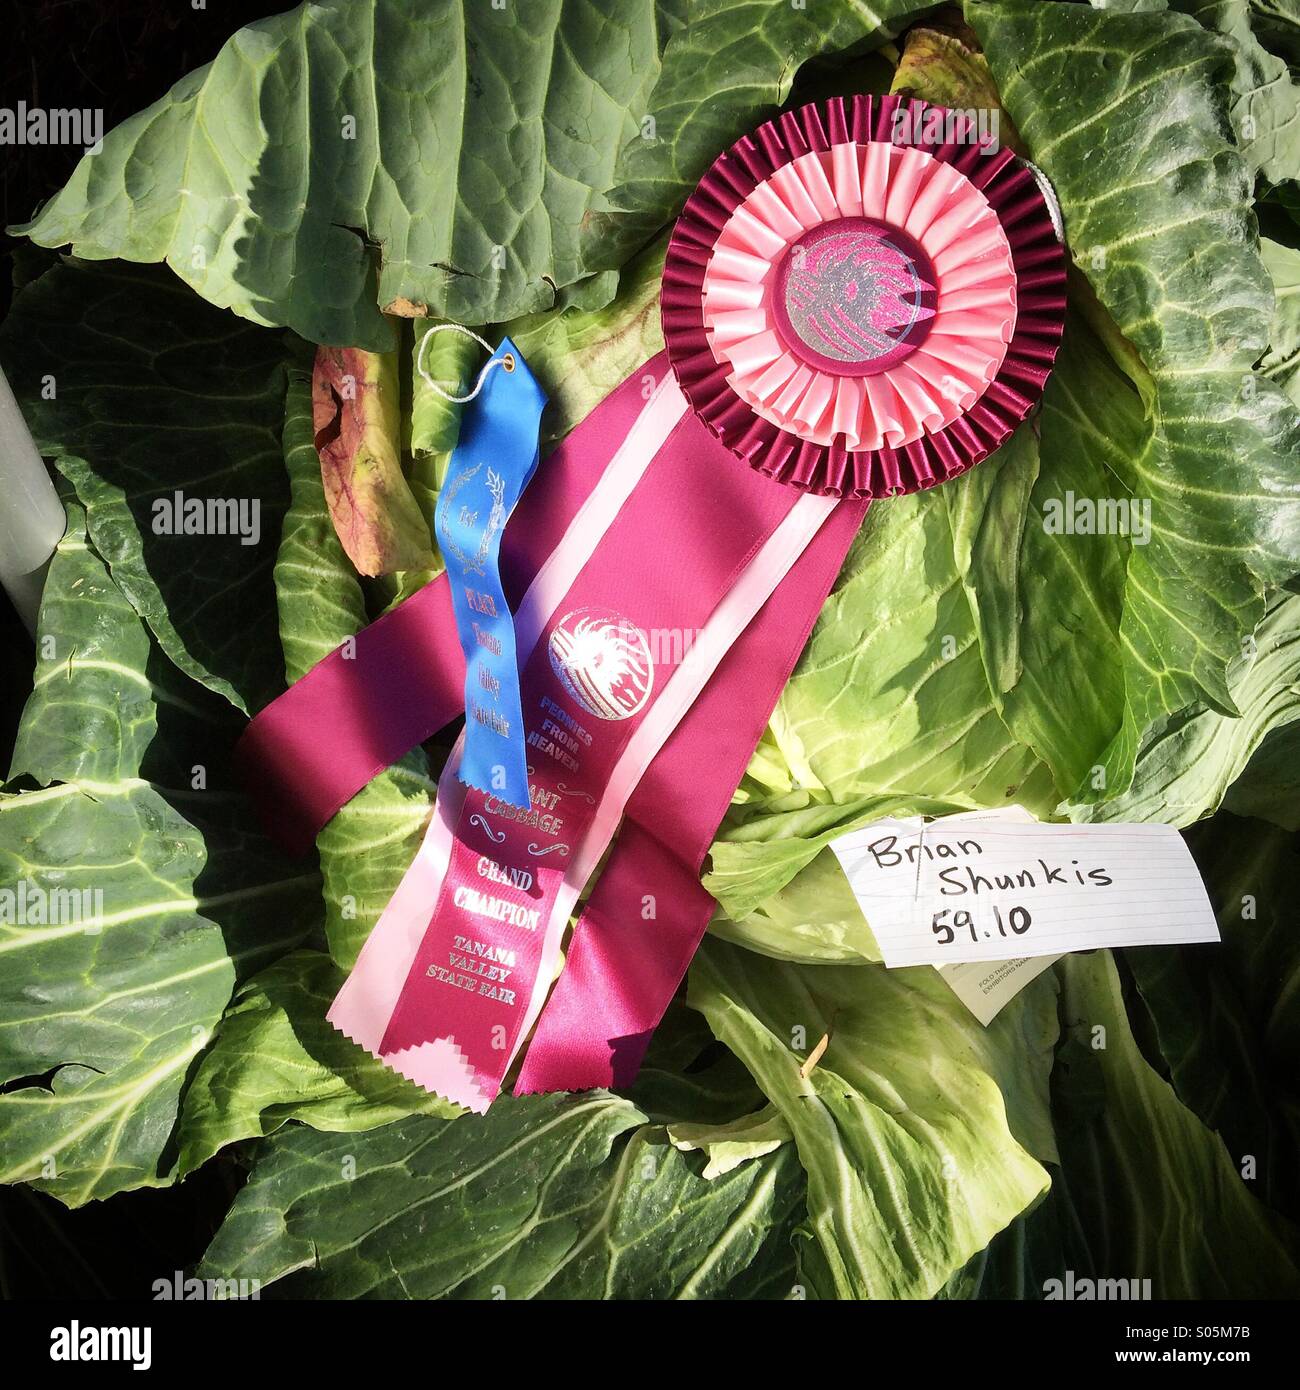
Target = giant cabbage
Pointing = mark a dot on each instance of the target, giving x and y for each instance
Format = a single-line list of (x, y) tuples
[(807, 1124)]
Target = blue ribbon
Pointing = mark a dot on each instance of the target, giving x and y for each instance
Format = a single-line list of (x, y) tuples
[(493, 460)]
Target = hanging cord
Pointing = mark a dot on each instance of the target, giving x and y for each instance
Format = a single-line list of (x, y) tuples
[(508, 361)]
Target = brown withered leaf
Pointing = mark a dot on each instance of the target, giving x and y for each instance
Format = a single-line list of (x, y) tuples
[(355, 417)]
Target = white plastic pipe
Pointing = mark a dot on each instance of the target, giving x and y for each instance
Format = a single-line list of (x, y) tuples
[(31, 516)]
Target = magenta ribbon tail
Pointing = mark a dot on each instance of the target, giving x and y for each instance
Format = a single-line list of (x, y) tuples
[(351, 716)]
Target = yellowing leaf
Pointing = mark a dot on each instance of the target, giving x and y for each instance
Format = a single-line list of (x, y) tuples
[(357, 421)]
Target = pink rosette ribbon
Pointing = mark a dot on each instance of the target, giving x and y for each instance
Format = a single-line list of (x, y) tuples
[(857, 313)]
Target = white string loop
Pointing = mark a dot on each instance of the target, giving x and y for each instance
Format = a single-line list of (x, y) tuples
[(507, 361)]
